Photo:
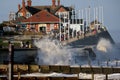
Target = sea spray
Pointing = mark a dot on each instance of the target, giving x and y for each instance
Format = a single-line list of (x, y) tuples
[(51, 52), (105, 50), (104, 45)]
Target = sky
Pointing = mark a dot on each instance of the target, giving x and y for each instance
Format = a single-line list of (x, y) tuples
[(111, 11)]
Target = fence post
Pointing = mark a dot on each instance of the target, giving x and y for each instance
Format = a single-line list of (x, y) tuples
[(11, 61), (92, 76), (116, 62), (19, 75), (106, 76)]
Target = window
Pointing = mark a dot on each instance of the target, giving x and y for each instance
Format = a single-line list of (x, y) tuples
[(28, 15), (19, 14)]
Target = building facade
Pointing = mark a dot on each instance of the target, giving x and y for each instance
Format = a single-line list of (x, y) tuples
[(41, 18)]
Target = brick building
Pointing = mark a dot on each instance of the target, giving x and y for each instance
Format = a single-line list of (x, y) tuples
[(41, 18)]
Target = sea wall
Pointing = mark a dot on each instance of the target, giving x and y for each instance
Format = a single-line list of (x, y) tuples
[(92, 39)]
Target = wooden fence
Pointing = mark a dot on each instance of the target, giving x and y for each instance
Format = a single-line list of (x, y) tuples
[(24, 69)]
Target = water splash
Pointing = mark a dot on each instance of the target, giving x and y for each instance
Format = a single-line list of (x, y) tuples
[(105, 50), (51, 52), (104, 45)]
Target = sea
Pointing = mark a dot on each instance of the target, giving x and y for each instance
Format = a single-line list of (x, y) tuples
[(52, 52)]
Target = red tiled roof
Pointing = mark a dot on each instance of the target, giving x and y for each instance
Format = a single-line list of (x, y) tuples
[(42, 17)]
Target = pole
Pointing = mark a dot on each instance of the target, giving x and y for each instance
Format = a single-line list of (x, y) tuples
[(76, 22), (82, 22), (72, 23), (92, 76), (72, 17), (11, 61), (79, 17), (86, 9), (68, 26), (106, 76), (64, 26), (89, 18), (60, 26), (97, 17), (102, 16), (99, 9), (94, 17)]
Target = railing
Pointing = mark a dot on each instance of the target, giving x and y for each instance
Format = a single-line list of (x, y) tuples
[(80, 37)]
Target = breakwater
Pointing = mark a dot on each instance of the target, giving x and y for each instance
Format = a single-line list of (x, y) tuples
[(19, 70), (23, 69)]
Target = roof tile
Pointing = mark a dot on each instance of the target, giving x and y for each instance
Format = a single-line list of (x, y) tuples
[(42, 17)]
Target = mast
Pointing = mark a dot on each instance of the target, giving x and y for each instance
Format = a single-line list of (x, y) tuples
[(64, 24), (97, 18), (102, 16), (82, 21), (89, 17), (60, 26), (68, 24), (86, 21), (72, 23), (94, 17)]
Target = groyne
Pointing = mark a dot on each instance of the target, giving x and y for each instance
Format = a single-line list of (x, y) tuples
[(19, 69), (23, 69)]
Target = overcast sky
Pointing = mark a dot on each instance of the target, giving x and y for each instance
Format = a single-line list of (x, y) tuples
[(111, 11)]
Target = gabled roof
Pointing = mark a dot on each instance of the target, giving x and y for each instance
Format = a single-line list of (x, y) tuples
[(35, 9), (66, 8), (50, 9), (32, 10), (42, 17)]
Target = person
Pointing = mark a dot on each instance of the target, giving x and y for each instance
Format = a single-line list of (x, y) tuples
[(27, 44), (21, 44), (24, 45)]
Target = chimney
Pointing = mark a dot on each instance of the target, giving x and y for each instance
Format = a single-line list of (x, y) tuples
[(23, 3), (23, 8), (19, 7), (53, 3), (58, 2), (29, 2)]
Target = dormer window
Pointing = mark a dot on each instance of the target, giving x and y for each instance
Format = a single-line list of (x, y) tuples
[(28, 15), (19, 14)]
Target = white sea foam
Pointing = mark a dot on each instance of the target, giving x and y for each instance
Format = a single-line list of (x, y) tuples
[(106, 50)]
